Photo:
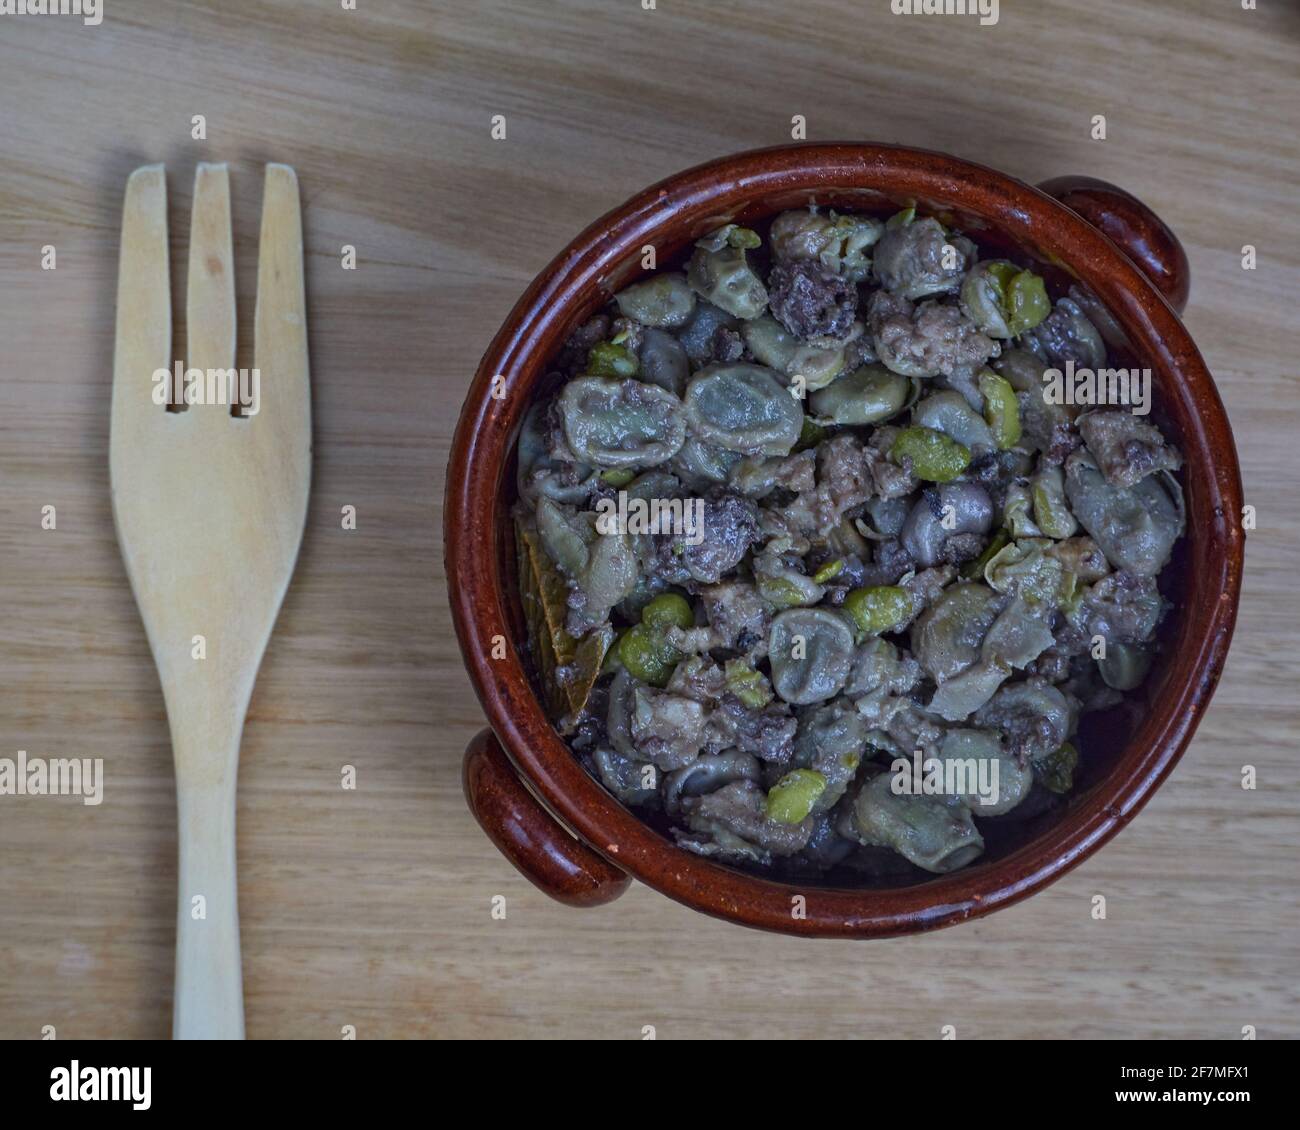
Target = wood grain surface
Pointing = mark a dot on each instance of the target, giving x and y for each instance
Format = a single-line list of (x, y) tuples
[(372, 907)]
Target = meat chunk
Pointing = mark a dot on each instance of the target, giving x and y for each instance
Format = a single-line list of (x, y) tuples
[(1125, 448), (927, 586), (757, 478), (843, 479), (1066, 334), (698, 677), (730, 526), (667, 729), (889, 478), (1052, 666), (889, 562), (767, 733), (738, 810), (843, 485), (728, 345), (917, 259), (960, 548), (810, 300), (1033, 718), (737, 614), (1124, 607), (913, 729), (573, 356), (927, 340)]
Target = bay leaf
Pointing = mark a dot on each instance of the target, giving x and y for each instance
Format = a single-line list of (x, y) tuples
[(568, 666)]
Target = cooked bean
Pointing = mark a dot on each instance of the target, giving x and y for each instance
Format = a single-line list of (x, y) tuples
[(811, 652), (1124, 666), (930, 454), (935, 834), (947, 637), (1135, 527), (950, 510), (792, 798), (664, 300), (621, 423), (815, 363), (970, 748), (949, 413), (1001, 409), (865, 396), (878, 608), (664, 361), (707, 774), (743, 408), (725, 278)]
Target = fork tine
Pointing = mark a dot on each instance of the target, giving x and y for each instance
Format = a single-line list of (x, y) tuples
[(280, 333), (144, 310), (210, 299)]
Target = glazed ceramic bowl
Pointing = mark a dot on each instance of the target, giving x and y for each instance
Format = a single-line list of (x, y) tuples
[(555, 822)]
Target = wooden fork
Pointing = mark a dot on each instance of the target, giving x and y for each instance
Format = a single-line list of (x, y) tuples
[(209, 509)]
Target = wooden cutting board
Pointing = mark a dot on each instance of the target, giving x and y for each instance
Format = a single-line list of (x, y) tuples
[(372, 907)]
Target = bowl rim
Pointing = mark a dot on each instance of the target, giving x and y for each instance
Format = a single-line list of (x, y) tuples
[(528, 339)]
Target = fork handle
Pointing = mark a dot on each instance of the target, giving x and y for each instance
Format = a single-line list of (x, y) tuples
[(209, 1001)]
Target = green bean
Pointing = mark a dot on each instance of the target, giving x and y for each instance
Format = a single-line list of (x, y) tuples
[(1051, 512), (974, 570), (747, 238), (747, 684), (793, 796), (829, 571), (1004, 300), (608, 359), (933, 455), (1000, 272), (1026, 303), (811, 434), (667, 611), (785, 592), (1056, 771), (878, 608), (1001, 409), (647, 655)]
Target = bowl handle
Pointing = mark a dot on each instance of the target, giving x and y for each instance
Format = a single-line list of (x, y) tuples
[(1129, 224), (529, 836)]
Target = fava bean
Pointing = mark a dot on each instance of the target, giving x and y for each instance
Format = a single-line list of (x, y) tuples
[(669, 610), (1001, 409), (747, 683), (607, 359), (791, 799), (878, 608), (933, 455), (647, 655)]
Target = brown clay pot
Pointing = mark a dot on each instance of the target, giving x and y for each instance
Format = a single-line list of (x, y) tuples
[(532, 797)]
